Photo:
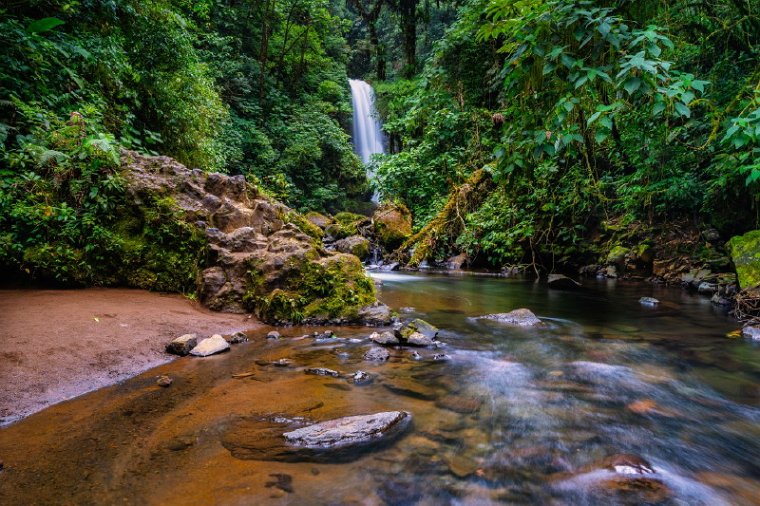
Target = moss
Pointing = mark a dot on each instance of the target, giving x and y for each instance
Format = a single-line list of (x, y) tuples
[(306, 226), (317, 290), (346, 224), (392, 224), (617, 254), (745, 253)]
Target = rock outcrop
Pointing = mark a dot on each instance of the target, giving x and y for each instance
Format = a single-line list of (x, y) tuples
[(392, 225), (262, 256)]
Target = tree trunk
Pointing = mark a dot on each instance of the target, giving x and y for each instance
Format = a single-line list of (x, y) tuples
[(408, 11)]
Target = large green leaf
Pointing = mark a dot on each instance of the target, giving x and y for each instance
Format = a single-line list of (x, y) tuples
[(43, 25)]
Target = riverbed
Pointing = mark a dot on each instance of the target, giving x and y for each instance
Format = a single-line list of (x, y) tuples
[(610, 402)]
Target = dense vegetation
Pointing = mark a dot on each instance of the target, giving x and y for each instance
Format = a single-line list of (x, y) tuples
[(520, 129), (584, 114)]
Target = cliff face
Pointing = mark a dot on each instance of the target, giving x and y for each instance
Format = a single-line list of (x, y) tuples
[(262, 256)]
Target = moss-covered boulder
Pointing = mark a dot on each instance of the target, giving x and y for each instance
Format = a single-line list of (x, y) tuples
[(392, 225), (254, 254), (355, 245), (318, 220), (347, 224), (745, 253)]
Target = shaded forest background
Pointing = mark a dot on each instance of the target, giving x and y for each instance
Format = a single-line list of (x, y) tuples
[(529, 125)]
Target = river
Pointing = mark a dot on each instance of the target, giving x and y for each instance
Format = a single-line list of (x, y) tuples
[(609, 403)]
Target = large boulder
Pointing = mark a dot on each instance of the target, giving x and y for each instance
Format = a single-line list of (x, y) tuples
[(262, 257), (745, 253), (346, 224), (392, 224), (355, 245)]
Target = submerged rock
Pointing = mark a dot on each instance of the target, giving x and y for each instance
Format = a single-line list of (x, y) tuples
[(350, 431), (377, 354), (210, 346), (460, 404), (322, 371), (560, 281), (182, 345), (624, 463), (273, 335), (360, 378), (521, 317), (649, 301), (164, 381)]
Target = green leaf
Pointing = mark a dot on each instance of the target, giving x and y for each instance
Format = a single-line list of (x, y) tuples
[(632, 84), (44, 25), (683, 109)]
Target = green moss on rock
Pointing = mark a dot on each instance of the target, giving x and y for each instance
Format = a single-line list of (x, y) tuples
[(745, 253), (331, 288), (393, 225)]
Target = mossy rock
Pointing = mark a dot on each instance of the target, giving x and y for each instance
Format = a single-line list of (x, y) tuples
[(393, 225), (745, 253), (346, 224), (355, 245), (617, 255), (306, 225), (331, 288), (318, 220)]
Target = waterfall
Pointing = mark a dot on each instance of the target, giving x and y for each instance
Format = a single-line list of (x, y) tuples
[(367, 133)]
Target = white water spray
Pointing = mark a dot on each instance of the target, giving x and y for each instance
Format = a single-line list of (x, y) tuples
[(367, 132)]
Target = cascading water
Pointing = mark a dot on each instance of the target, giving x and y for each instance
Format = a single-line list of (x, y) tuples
[(367, 132)]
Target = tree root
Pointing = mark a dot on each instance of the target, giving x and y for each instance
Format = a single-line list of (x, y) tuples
[(449, 222)]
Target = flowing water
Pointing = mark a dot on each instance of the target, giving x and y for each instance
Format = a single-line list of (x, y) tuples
[(367, 131), (608, 403)]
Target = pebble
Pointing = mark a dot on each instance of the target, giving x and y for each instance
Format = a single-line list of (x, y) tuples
[(273, 335), (164, 381)]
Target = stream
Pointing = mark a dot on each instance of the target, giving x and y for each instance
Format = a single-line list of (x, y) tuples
[(610, 402)]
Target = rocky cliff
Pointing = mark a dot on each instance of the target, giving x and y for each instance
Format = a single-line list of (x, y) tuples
[(261, 256)]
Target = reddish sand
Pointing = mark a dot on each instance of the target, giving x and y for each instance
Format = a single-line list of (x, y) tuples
[(58, 344)]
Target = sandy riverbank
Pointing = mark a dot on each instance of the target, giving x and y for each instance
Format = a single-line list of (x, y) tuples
[(58, 344)]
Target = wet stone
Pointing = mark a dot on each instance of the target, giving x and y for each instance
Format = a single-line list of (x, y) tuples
[(360, 378), (520, 317), (210, 346), (273, 335), (752, 332), (164, 381), (649, 301), (377, 354), (182, 345), (419, 339), (384, 338), (238, 337), (408, 389), (281, 481), (322, 371)]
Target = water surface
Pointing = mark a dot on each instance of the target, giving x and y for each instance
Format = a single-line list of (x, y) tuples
[(508, 416)]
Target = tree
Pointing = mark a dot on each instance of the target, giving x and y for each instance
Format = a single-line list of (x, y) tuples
[(369, 15)]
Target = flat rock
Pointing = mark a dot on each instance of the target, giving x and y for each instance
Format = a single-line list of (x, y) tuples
[(210, 346), (349, 431), (377, 354), (385, 338), (521, 317), (182, 345)]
